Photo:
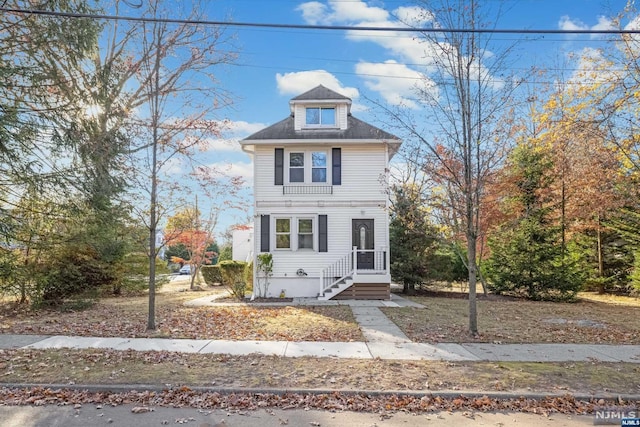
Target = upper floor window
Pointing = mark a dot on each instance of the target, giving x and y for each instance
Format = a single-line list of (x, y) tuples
[(321, 116), (300, 166), (296, 167), (318, 166)]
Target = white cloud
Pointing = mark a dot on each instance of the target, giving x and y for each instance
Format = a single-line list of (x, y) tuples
[(395, 82), (313, 12), (604, 23), (232, 133), (587, 73), (173, 166), (634, 24), (241, 129), (316, 13), (221, 145), (242, 169), (356, 11), (568, 24), (415, 16), (299, 82)]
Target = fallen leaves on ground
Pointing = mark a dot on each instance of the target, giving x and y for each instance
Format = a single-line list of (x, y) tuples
[(309, 323), (224, 371), (508, 320), (184, 397)]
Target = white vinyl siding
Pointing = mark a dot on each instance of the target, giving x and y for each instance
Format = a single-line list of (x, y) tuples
[(287, 262), (362, 168), (300, 115), (342, 116)]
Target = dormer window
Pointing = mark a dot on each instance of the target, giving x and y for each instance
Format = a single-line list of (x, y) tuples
[(321, 117)]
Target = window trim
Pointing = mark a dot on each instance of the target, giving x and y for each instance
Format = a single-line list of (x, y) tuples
[(294, 232), (303, 167), (308, 166), (277, 233), (325, 167), (320, 124), (312, 233)]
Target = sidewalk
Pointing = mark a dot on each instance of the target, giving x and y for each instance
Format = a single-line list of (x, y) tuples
[(383, 339)]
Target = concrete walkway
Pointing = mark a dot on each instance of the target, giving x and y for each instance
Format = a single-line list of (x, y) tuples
[(383, 339)]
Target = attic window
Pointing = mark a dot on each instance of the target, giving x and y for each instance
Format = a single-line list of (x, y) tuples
[(321, 116)]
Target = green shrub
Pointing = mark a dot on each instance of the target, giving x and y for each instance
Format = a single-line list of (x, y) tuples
[(73, 273), (226, 254), (135, 275), (212, 274), (232, 277), (248, 276)]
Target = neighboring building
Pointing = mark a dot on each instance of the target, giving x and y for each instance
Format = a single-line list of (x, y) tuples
[(320, 191), (160, 243), (242, 245)]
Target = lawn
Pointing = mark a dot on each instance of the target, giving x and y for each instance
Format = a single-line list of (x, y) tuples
[(92, 366), (507, 320), (443, 320), (126, 317)]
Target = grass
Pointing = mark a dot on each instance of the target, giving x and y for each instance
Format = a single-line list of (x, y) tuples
[(443, 320), (126, 317), (506, 320), (255, 371)]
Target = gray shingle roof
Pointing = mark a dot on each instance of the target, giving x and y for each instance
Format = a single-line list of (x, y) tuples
[(356, 129), (319, 92)]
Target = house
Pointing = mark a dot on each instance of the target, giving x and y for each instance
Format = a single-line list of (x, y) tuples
[(242, 243), (321, 200)]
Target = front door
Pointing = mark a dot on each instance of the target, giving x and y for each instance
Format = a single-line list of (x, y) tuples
[(363, 240)]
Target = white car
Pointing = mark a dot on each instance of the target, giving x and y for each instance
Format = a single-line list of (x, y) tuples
[(186, 269)]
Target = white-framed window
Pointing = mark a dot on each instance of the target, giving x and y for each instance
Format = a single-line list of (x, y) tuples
[(320, 117), (305, 233), (283, 233), (319, 166), (295, 233), (296, 167), (311, 167)]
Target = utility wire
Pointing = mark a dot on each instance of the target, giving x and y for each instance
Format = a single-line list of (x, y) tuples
[(312, 27)]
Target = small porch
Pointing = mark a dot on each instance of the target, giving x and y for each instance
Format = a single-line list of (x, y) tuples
[(360, 274)]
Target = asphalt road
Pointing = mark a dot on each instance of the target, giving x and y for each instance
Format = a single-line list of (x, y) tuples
[(122, 416)]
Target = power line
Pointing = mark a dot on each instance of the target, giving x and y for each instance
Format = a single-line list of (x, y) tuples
[(311, 27)]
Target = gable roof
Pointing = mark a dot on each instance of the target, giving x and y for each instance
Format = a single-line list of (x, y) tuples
[(285, 132), (356, 130), (320, 92)]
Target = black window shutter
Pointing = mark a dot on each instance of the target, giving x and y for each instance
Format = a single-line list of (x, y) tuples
[(264, 233), (322, 233), (336, 166), (279, 166)]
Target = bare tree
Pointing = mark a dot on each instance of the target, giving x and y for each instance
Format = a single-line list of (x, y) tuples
[(462, 121), (176, 71)]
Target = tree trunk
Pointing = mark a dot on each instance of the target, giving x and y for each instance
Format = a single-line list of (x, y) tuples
[(153, 220), (601, 286), (483, 281), (471, 259)]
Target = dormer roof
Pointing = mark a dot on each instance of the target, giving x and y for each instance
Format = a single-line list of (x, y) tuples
[(320, 95), (348, 130)]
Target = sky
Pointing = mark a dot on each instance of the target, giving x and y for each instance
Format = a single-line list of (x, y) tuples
[(275, 65)]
